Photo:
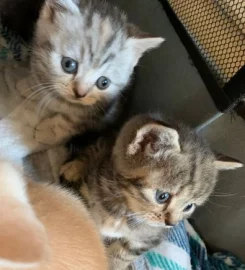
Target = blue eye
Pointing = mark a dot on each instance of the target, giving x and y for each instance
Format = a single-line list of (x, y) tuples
[(103, 83), (162, 197), (69, 65), (189, 207)]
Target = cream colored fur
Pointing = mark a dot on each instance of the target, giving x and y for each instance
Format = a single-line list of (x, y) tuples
[(50, 230)]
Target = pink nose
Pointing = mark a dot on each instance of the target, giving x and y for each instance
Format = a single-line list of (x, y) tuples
[(80, 92)]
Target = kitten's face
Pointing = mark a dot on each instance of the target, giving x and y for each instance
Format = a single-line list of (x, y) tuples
[(169, 171), (84, 52)]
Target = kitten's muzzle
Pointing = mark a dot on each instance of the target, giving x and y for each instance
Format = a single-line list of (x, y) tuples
[(80, 92), (169, 220)]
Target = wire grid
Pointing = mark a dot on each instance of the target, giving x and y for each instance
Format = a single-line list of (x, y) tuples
[(218, 29)]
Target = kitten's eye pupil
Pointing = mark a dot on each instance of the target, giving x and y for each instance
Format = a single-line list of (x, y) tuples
[(69, 65), (103, 83), (162, 197), (188, 207)]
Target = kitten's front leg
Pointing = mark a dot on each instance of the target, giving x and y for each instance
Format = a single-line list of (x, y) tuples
[(72, 171), (121, 255), (54, 130), (23, 88)]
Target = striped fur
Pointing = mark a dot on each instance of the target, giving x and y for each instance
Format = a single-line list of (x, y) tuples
[(99, 38), (118, 176)]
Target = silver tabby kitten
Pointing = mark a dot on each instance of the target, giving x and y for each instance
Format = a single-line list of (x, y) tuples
[(83, 56), (143, 180), (84, 53)]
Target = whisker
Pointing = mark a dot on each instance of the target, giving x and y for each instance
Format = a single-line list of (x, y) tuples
[(45, 102), (225, 206), (206, 207), (136, 214), (35, 94), (223, 195)]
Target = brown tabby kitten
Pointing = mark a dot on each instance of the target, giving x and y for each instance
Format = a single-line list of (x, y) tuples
[(143, 181)]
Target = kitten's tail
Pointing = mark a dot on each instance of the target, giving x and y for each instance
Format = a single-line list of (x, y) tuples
[(22, 236)]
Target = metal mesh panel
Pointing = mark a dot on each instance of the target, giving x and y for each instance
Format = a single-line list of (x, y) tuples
[(218, 29)]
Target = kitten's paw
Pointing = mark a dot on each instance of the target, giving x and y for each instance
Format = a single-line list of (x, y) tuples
[(71, 171), (22, 88), (45, 135)]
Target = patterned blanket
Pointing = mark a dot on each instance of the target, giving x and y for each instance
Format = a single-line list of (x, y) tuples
[(183, 249)]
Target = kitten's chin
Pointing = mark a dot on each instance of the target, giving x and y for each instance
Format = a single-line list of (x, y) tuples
[(159, 225), (156, 224)]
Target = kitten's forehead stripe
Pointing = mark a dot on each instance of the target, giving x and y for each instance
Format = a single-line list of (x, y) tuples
[(105, 24), (101, 41), (90, 45), (193, 168), (89, 20), (109, 58), (59, 7), (109, 44), (82, 52)]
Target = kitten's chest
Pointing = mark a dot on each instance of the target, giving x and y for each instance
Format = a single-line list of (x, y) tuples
[(113, 230), (139, 236), (108, 226), (119, 228), (112, 227)]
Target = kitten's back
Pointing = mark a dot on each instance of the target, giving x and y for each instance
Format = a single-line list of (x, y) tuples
[(57, 235), (71, 233)]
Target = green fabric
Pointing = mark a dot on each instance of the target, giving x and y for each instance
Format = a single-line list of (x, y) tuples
[(157, 260)]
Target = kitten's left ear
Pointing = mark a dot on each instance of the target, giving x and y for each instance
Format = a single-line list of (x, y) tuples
[(223, 163), (155, 140), (141, 41), (51, 7)]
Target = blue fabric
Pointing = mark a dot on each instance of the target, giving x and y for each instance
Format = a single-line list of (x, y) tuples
[(179, 237), (184, 249)]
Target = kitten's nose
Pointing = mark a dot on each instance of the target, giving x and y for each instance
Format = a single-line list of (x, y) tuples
[(80, 92), (169, 220)]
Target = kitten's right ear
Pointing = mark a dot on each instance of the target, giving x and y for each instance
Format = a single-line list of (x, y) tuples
[(155, 140), (51, 7), (141, 41), (223, 163)]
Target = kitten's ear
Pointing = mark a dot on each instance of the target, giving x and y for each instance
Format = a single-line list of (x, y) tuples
[(51, 7), (141, 41), (223, 163), (155, 140)]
